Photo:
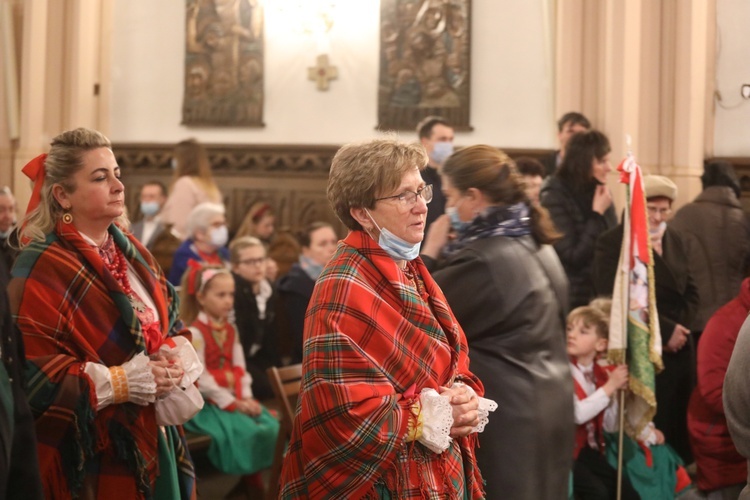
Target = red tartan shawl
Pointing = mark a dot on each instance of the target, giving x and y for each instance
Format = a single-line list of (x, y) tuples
[(370, 344), (71, 310), (219, 359)]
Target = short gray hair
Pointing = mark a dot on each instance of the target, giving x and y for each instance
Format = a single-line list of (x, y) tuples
[(200, 216)]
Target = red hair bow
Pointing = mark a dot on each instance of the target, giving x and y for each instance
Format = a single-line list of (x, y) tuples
[(35, 171), (194, 270)]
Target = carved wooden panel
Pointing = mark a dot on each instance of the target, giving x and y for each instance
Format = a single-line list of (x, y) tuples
[(291, 178)]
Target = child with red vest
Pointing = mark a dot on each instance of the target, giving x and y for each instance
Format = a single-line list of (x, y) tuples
[(243, 433), (595, 409), (651, 469)]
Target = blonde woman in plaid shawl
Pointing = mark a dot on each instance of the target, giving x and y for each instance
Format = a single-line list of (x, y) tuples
[(388, 407), (107, 362)]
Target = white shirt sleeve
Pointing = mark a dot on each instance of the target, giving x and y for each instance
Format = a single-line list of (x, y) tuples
[(99, 374), (207, 384), (587, 409)]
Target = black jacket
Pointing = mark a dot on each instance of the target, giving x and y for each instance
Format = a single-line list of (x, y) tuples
[(572, 215), (436, 208), (295, 289), (510, 297), (254, 331)]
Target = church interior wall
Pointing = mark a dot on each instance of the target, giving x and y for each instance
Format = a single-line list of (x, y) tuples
[(511, 77), (732, 112)]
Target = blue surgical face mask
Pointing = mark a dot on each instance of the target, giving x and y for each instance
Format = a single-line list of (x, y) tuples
[(441, 151), (456, 222), (395, 246), (150, 208)]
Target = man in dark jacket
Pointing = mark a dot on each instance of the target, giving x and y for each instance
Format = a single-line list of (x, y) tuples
[(568, 125), (716, 233), (436, 135)]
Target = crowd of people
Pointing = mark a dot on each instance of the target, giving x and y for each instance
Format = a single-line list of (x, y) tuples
[(452, 342)]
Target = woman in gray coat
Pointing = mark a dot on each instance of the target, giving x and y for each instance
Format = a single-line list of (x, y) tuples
[(508, 291)]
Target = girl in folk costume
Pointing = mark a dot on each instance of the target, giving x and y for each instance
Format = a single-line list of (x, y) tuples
[(106, 351), (243, 432), (650, 471)]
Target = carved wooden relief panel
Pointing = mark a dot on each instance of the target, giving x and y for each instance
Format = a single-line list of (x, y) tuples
[(424, 62), (223, 63)]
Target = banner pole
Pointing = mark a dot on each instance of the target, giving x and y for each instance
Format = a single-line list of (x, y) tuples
[(621, 411)]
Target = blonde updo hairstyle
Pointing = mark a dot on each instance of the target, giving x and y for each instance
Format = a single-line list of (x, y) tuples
[(64, 160), (361, 172)]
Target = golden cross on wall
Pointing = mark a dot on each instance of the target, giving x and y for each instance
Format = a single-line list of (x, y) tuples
[(322, 72)]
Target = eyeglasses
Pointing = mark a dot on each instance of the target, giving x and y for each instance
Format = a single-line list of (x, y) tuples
[(409, 198), (253, 262), (664, 212)]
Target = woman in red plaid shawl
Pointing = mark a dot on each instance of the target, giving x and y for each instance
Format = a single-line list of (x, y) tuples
[(107, 362), (388, 407)]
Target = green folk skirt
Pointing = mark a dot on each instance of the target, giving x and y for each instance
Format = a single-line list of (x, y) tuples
[(239, 444)]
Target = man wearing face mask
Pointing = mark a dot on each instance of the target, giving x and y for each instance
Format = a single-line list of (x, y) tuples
[(7, 224), (436, 135), (208, 234), (151, 231), (148, 229)]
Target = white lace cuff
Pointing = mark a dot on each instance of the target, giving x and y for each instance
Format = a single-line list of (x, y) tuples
[(137, 382), (485, 407), (437, 420)]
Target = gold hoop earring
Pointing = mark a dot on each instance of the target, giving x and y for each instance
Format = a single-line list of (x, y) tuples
[(67, 218)]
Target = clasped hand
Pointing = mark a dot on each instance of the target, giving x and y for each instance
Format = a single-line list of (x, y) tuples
[(465, 406), (168, 373)]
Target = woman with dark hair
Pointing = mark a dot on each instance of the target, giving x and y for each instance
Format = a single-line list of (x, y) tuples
[(508, 290), (581, 208), (193, 184)]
